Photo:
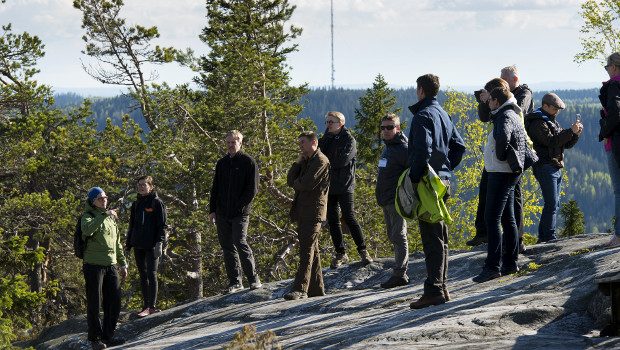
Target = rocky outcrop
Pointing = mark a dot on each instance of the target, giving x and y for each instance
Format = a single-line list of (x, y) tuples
[(552, 303)]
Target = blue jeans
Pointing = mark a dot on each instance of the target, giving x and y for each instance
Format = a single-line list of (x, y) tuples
[(614, 173), (549, 177), (499, 216)]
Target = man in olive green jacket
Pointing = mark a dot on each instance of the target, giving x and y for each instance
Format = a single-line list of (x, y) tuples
[(102, 254), (309, 177)]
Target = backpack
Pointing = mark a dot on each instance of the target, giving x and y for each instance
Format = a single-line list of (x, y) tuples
[(79, 245)]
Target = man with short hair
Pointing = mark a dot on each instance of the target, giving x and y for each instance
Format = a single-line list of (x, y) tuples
[(550, 140), (339, 146), (234, 186), (309, 177), (391, 165), (433, 141)]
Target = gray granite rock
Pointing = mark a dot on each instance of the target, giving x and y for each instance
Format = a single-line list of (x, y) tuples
[(554, 305)]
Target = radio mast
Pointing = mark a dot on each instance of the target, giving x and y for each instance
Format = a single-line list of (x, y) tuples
[(332, 28)]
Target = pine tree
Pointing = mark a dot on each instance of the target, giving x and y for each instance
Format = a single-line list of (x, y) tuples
[(574, 223), (374, 105)]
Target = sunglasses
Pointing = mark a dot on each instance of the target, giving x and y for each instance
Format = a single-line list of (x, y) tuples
[(387, 127), (330, 122)]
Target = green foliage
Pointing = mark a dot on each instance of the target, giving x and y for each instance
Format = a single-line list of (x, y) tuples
[(248, 339), (574, 223), (601, 34), (374, 105)]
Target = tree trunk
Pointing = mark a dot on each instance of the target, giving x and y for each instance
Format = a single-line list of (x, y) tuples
[(195, 249)]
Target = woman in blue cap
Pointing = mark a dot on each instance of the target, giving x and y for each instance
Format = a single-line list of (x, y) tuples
[(102, 254)]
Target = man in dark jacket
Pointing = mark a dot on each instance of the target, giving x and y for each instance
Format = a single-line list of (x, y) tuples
[(550, 140), (339, 146), (309, 177), (391, 165), (234, 186), (433, 141)]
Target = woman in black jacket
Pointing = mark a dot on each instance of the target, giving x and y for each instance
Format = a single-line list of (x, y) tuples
[(146, 235), (610, 132)]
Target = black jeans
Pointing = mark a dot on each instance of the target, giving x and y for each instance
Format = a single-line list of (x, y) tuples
[(481, 229), (435, 244), (232, 234), (499, 216), (147, 268), (345, 201), (102, 288)]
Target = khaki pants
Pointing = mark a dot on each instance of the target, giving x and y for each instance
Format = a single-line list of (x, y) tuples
[(309, 278)]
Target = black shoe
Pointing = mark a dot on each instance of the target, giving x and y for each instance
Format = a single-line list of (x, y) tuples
[(486, 275), (114, 341), (477, 240), (395, 281), (426, 301), (97, 345)]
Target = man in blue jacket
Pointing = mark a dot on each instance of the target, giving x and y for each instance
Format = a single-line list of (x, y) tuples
[(391, 165), (433, 140)]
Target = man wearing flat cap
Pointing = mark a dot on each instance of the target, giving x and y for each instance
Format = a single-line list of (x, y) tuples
[(550, 140)]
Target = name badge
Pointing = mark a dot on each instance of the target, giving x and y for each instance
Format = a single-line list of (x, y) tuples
[(382, 163)]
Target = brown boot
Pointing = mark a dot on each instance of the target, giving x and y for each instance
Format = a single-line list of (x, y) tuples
[(446, 295), (426, 301), (366, 258)]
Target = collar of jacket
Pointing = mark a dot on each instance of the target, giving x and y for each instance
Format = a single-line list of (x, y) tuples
[(149, 196), (511, 103), (340, 133), (423, 103), (235, 156), (93, 209), (521, 87), (397, 139)]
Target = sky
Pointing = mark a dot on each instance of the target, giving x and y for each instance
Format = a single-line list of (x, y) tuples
[(464, 42)]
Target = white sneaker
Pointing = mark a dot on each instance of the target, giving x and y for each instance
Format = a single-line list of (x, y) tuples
[(234, 288)]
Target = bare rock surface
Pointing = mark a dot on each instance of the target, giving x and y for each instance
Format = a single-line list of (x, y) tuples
[(553, 303)]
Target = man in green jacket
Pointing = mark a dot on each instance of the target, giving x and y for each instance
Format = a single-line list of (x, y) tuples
[(309, 177), (102, 254)]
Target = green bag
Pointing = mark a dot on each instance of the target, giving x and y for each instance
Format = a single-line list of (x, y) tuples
[(427, 205)]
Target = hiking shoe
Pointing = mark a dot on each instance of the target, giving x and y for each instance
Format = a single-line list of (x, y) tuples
[(256, 284), (523, 248), (366, 258), (477, 240), (145, 312), (153, 310), (446, 295), (395, 281), (234, 288), (295, 295), (426, 301), (114, 341), (613, 242), (339, 259), (486, 275), (97, 345)]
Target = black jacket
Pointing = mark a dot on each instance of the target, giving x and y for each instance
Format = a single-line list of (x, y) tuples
[(341, 150), (549, 138), (392, 164), (433, 140), (147, 222), (510, 137), (234, 186), (610, 115)]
